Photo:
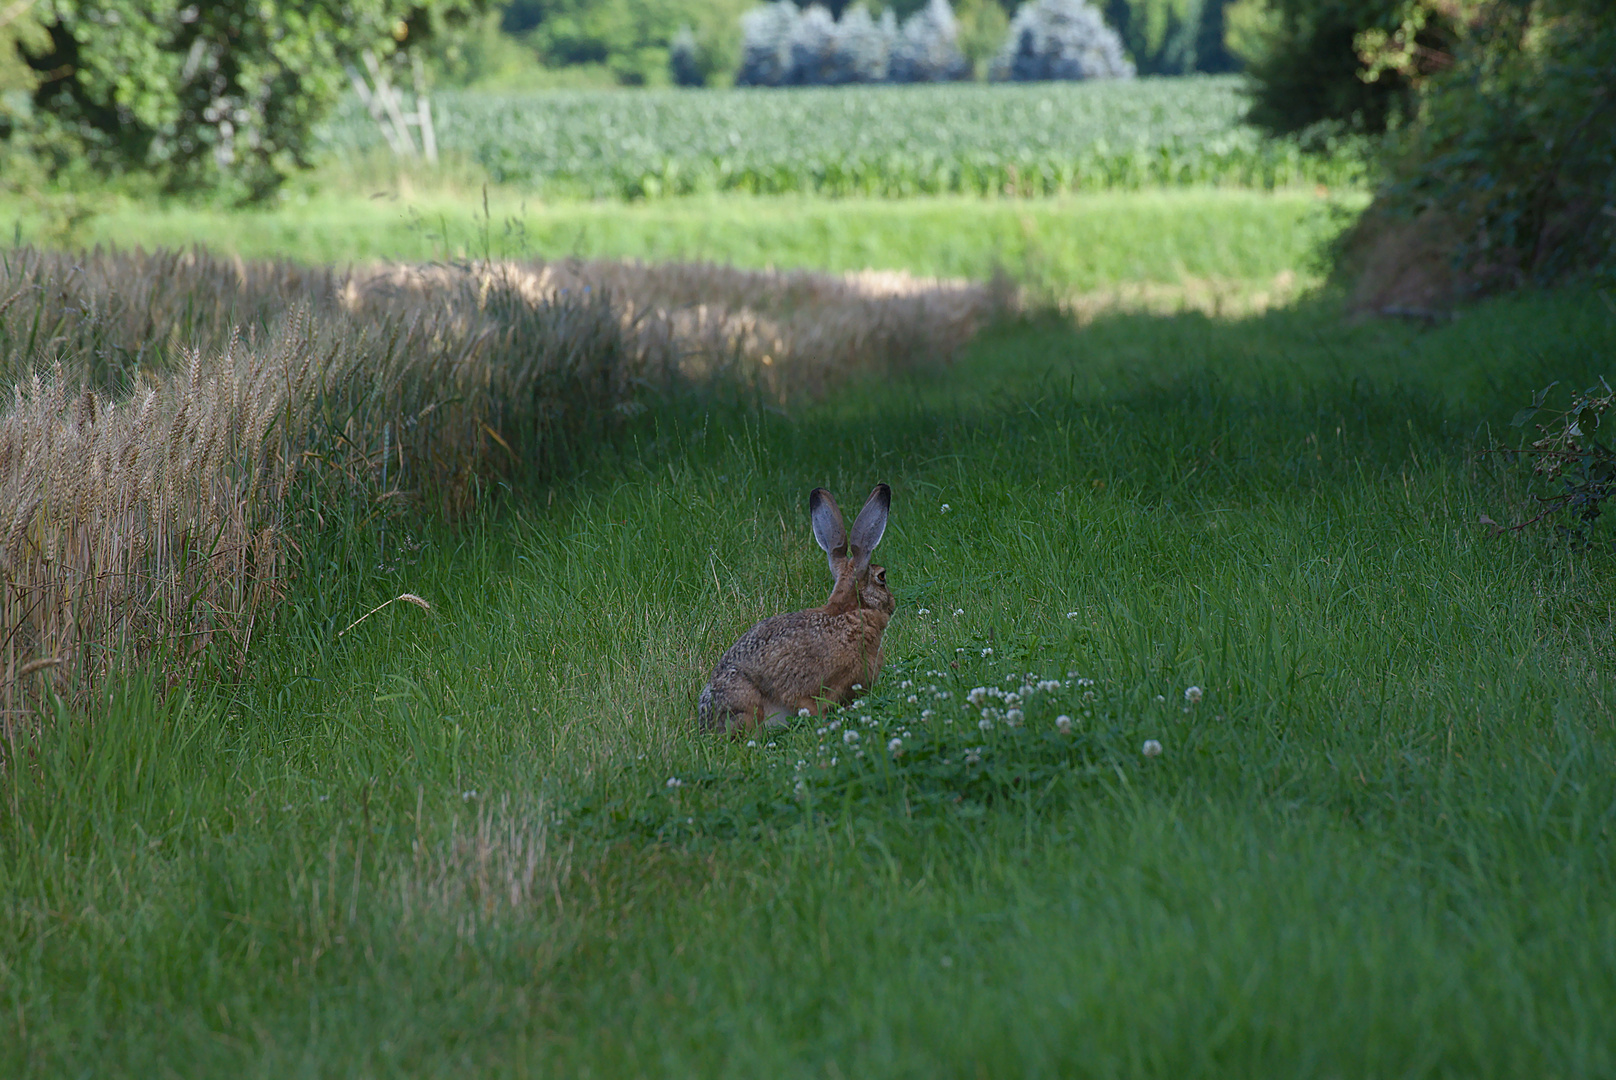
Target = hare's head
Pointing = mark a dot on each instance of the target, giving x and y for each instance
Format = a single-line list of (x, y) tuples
[(858, 584)]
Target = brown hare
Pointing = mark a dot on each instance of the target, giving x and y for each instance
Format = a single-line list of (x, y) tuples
[(814, 658)]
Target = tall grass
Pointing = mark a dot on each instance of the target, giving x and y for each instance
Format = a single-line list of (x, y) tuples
[(175, 417), (445, 845)]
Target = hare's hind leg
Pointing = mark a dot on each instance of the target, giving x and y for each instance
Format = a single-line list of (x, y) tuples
[(730, 704)]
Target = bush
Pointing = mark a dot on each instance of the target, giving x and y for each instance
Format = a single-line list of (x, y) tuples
[(928, 48), (1512, 155), (787, 46), (1060, 39)]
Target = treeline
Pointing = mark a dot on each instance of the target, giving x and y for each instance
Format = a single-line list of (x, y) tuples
[(716, 42)]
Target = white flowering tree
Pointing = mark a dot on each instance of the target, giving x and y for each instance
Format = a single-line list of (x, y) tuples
[(1060, 39), (927, 50)]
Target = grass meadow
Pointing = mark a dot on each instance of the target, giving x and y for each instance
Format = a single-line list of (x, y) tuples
[(486, 839)]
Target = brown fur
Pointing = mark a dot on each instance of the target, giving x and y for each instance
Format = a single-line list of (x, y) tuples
[(810, 659)]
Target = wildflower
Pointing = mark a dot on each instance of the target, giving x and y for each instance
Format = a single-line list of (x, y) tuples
[(1088, 695), (1012, 699), (769, 745), (1063, 724), (1160, 700), (850, 736), (1192, 694), (973, 756), (805, 712), (985, 724), (801, 790), (1071, 614), (945, 508), (1152, 748), (927, 714), (957, 613), (906, 684), (913, 699), (988, 651), (1047, 685), (944, 695), (1085, 682), (1014, 717), (895, 747), (753, 742), (923, 611), (977, 695), (465, 796), (675, 782)]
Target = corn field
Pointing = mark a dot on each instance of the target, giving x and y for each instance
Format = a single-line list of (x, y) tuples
[(170, 412), (886, 141)]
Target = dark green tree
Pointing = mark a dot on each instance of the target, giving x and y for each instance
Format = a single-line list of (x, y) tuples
[(203, 94)]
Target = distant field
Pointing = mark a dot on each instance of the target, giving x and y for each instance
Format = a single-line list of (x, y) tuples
[(1073, 243), (888, 141)]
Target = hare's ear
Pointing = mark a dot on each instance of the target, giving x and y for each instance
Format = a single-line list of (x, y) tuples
[(826, 517), (869, 526)]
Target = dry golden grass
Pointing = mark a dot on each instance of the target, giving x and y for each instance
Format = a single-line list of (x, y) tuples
[(165, 406)]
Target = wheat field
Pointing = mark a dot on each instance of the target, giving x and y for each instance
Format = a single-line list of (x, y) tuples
[(173, 414)]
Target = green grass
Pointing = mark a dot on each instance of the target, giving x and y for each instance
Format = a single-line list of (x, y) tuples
[(1070, 243), (1381, 845), (888, 141)]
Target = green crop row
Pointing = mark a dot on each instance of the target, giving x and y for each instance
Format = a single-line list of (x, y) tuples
[(1024, 139)]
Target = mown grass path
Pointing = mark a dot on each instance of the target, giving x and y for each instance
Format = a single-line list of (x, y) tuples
[(1381, 844)]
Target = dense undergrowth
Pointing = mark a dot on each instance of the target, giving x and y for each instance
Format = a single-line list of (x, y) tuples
[(446, 842)]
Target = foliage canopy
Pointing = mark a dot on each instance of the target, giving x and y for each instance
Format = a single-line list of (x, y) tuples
[(217, 95)]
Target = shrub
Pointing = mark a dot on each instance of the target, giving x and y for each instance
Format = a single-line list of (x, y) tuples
[(1060, 39), (785, 46), (1511, 160), (683, 63), (927, 50)]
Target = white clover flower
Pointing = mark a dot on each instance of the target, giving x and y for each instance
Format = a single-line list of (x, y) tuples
[(944, 695), (1012, 699), (945, 508), (1048, 685), (1014, 717), (957, 613), (1152, 748), (805, 712), (988, 651), (833, 725), (1063, 724), (867, 721), (753, 742), (1085, 682), (465, 796), (850, 736), (858, 686), (977, 695), (675, 782), (1161, 700), (985, 724), (913, 699), (1072, 614), (906, 684), (1088, 695), (927, 714), (858, 753), (973, 756), (769, 745), (923, 611), (1192, 694), (895, 747), (801, 790)]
